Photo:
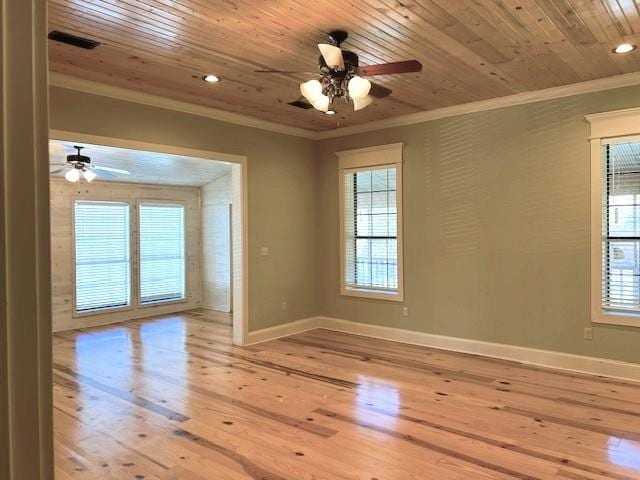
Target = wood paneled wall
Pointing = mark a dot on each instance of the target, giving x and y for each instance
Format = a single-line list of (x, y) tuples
[(62, 196), (216, 241)]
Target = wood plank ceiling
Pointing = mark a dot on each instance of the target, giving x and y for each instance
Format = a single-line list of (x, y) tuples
[(471, 49)]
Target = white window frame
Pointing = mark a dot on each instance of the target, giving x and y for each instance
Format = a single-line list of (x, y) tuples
[(366, 159), (135, 301), (606, 128), (138, 262), (132, 276)]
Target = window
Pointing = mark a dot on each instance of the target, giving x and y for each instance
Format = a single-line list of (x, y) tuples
[(162, 252), (102, 255), (621, 228), (615, 217), (371, 222)]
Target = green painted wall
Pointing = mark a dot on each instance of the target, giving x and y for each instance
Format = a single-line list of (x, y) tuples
[(496, 217), (496, 225), (281, 175)]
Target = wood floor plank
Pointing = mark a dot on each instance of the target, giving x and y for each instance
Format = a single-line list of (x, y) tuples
[(171, 398)]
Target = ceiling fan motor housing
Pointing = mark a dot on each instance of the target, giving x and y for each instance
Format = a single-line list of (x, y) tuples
[(334, 81), (336, 37), (78, 159)]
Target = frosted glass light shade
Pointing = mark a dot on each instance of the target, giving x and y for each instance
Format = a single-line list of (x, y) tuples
[(360, 103), (359, 87), (311, 90), (332, 55), (321, 103), (89, 175), (72, 175)]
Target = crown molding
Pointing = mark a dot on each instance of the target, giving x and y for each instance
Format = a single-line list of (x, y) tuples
[(590, 86), (104, 90)]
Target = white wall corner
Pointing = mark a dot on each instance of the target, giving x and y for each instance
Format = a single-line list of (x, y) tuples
[(279, 331)]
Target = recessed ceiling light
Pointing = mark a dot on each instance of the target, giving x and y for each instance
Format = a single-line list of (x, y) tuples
[(211, 78), (624, 48), (330, 112)]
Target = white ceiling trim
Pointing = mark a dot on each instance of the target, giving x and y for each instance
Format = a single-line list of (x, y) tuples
[(590, 86), (104, 90)]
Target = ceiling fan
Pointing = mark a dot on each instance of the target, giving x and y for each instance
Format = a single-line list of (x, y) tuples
[(341, 77), (79, 166)]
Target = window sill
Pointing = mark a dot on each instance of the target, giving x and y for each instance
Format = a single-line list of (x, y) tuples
[(160, 303), (101, 311), (373, 294), (617, 318)]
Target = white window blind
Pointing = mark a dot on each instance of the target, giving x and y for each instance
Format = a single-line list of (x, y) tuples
[(370, 216), (162, 252), (621, 227), (102, 260)]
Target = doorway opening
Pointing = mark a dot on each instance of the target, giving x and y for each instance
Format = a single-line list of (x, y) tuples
[(143, 230)]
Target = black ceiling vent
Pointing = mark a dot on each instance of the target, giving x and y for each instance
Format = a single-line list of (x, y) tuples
[(300, 103), (69, 39)]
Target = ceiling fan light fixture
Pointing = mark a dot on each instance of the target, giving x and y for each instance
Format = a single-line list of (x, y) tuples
[(311, 90), (341, 77), (332, 55), (73, 175), (359, 87), (360, 103), (88, 175), (321, 103)]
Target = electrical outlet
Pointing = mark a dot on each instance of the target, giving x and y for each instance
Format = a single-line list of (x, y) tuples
[(405, 311), (284, 306), (588, 333), (264, 251)]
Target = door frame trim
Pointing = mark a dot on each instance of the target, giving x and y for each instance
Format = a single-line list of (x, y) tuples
[(240, 220)]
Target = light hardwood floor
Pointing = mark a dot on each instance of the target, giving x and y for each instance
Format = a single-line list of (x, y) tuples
[(172, 399)]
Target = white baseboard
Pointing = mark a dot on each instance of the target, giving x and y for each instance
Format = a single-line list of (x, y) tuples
[(525, 355), (529, 356), (291, 328)]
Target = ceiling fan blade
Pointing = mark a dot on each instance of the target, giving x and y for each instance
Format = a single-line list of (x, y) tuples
[(393, 68), (378, 91), (285, 71), (332, 55), (104, 174), (112, 170), (57, 170)]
